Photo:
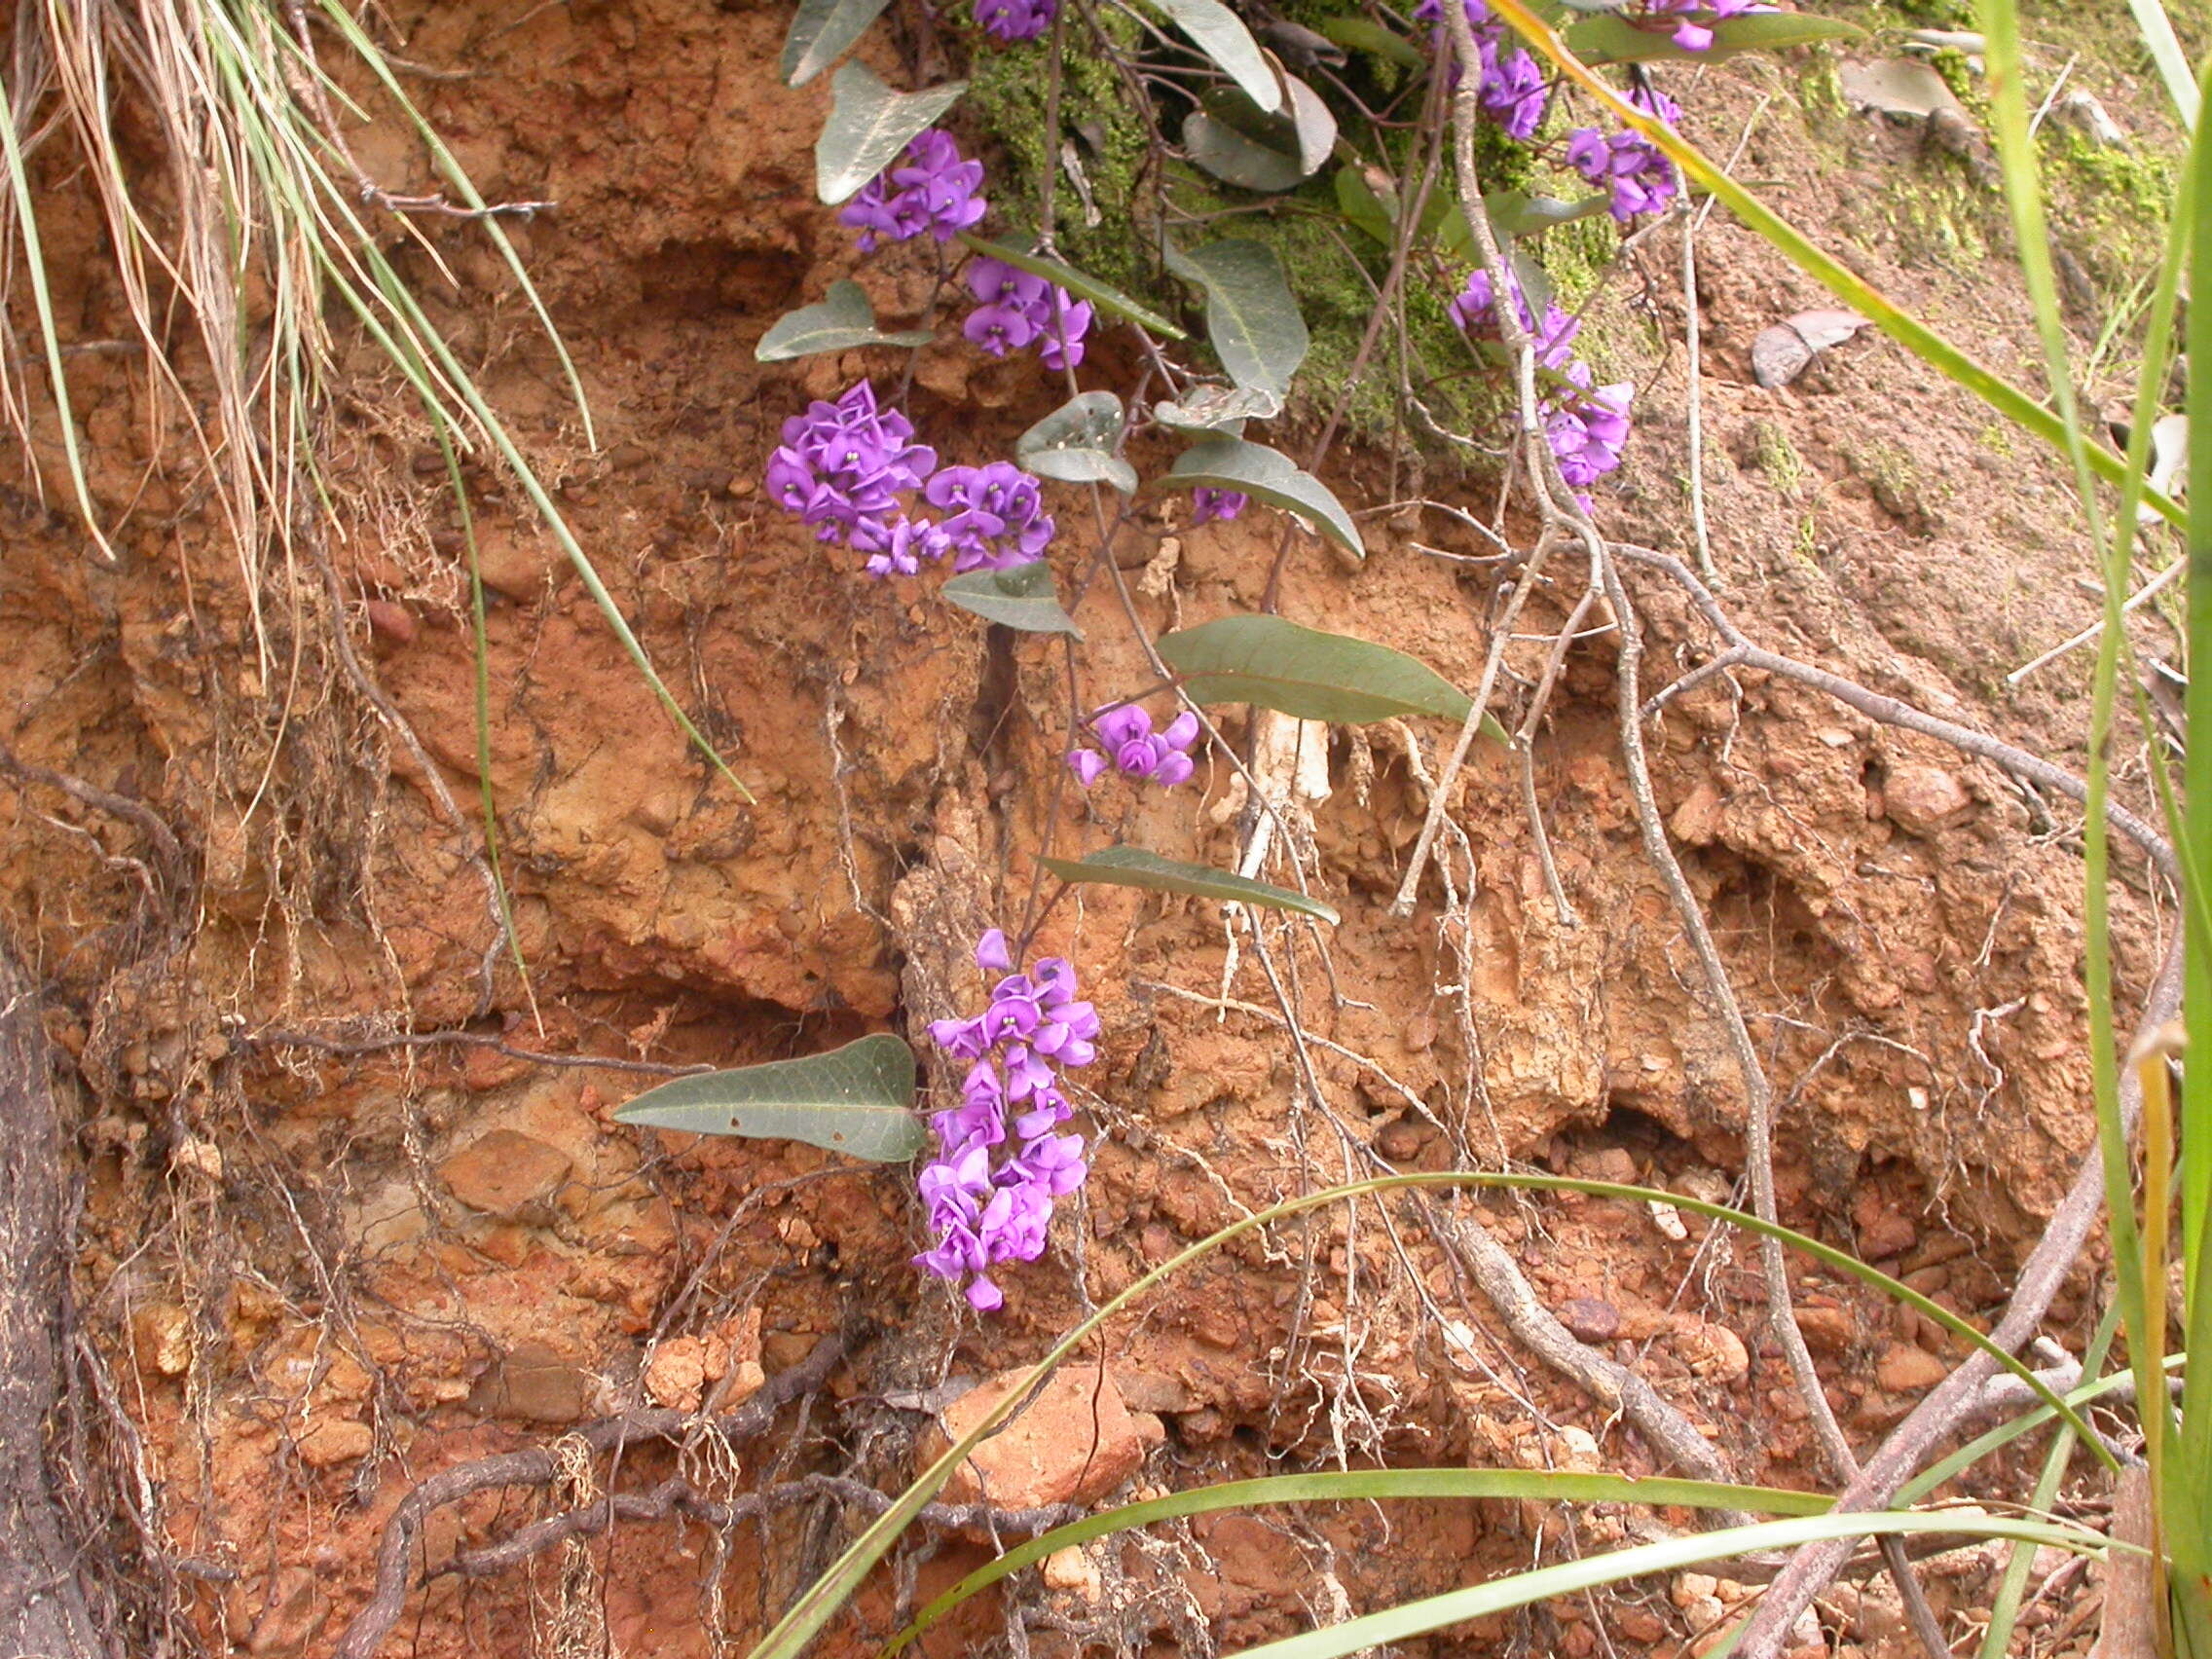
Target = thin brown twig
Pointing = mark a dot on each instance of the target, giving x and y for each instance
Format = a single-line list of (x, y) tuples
[(282, 1037)]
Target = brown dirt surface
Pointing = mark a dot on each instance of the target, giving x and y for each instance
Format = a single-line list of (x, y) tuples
[(319, 1266)]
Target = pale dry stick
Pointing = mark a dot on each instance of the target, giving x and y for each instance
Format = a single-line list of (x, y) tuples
[(1758, 1131), (2149, 591), (1741, 653), (1525, 740), (1946, 1407)]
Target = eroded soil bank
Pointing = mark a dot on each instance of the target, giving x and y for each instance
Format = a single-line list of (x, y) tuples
[(319, 1265)]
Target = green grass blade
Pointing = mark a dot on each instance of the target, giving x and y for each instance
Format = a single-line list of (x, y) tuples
[(1573, 1577), (2157, 31), (42, 299), (1893, 319), (1542, 1486), (822, 1598)]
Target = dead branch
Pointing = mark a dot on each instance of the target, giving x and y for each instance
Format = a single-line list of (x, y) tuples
[(281, 1037)]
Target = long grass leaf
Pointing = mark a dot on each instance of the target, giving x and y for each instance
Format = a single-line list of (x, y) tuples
[(2165, 47)]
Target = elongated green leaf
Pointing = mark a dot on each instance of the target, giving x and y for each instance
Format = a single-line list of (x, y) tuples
[(1571, 1578), (1305, 673), (1268, 475), (1362, 35), (1537, 1486), (1081, 284), (856, 1100), (820, 1600), (1133, 867), (1252, 319), (840, 321), (2157, 31), (1359, 201), (1022, 598), (1075, 443), (1516, 213), (1609, 39), (1235, 158), (868, 125), (1221, 36), (821, 33)]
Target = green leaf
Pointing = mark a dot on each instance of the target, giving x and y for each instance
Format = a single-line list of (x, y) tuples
[(1361, 35), (839, 321), (1516, 213), (1218, 409), (1268, 475), (1021, 597), (1313, 127), (868, 125), (1235, 159), (821, 33), (1310, 674), (1339, 1485), (1221, 36), (1252, 321), (1609, 39), (1365, 207), (857, 1100), (1075, 443), (1081, 284), (1133, 867)]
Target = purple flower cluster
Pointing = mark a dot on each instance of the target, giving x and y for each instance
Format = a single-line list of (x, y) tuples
[(1015, 19), (930, 187), (990, 1193), (1628, 165), (1585, 425), (1693, 36), (995, 516), (1018, 308), (1512, 87), (1223, 504), (1136, 749), (842, 467)]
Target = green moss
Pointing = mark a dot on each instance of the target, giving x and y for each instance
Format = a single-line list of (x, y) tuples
[(1773, 455), (1820, 86)]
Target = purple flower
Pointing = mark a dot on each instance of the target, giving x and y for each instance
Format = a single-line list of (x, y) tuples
[(841, 468), (997, 516), (1019, 308), (1586, 429), (1692, 36), (1589, 433), (1015, 19), (1640, 179), (1513, 91), (1136, 750), (987, 1197), (910, 540), (928, 189), (1223, 504), (1476, 311)]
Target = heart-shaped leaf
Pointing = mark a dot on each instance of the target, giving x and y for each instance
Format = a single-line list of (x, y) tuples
[(857, 1100), (1221, 36), (1362, 35), (839, 321), (1608, 39), (1081, 284), (1218, 409), (1268, 475), (1251, 318), (1021, 597), (868, 125), (822, 32), (1235, 159), (1133, 867), (1075, 444), (1309, 674)]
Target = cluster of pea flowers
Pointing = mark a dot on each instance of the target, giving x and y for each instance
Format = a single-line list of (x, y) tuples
[(1640, 178), (1136, 750), (929, 187), (843, 466), (1585, 425), (1018, 308), (988, 1193), (1016, 20), (1512, 91)]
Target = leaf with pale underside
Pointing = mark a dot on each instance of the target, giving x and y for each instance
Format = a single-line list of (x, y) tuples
[(1075, 444), (1267, 475), (1235, 158), (856, 1100), (870, 124), (822, 32), (839, 321), (1221, 36), (1218, 409), (1133, 867), (1309, 674), (1022, 598)]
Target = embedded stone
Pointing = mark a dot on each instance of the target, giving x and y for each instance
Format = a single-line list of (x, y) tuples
[(1076, 1442), (1905, 1369), (1925, 799), (504, 1172)]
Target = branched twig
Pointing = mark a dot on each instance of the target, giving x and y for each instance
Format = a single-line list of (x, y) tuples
[(280, 1037)]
